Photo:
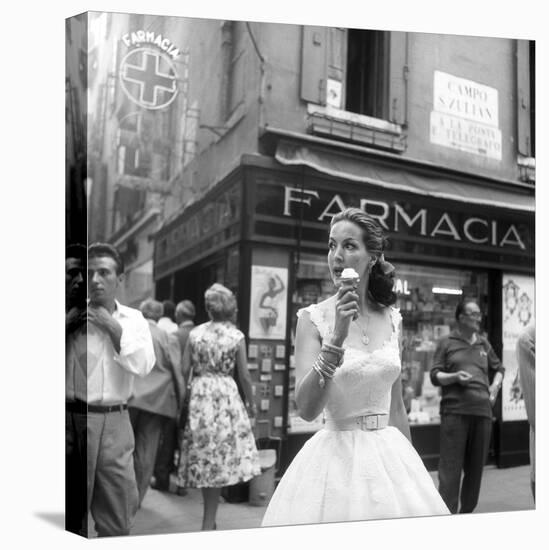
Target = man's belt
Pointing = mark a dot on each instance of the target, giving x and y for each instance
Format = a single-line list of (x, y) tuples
[(83, 408)]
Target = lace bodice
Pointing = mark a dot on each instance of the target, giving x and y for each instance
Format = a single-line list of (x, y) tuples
[(362, 384)]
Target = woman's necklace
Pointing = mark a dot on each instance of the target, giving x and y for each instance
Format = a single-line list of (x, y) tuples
[(364, 338)]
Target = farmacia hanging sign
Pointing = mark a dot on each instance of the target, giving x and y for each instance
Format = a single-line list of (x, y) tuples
[(148, 73)]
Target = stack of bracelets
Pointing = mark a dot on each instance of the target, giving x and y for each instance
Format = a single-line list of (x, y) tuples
[(328, 360)]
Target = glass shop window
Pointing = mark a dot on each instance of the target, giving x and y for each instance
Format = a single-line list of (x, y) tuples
[(427, 298), (313, 285)]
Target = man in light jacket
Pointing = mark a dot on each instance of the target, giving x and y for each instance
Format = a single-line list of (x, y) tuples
[(184, 315), (156, 398)]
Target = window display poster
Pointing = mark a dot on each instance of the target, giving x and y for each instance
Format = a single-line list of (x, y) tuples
[(269, 292), (518, 312)]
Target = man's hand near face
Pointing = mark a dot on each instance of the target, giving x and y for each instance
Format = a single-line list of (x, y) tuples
[(101, 318)]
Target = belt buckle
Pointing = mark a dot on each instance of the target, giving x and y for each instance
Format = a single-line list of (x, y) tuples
[(370, 422)]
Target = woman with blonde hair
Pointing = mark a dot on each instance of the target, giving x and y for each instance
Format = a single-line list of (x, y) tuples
[(218, 446)]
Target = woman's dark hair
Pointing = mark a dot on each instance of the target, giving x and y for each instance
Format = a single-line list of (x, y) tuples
[(380, 287)]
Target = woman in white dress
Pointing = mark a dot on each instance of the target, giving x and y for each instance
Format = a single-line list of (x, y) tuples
[(361, 465)]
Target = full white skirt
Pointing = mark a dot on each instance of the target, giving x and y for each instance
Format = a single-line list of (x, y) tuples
[(354, 475)]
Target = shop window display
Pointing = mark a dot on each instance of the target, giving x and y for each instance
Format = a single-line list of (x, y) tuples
[(313, 284), (427, 298)]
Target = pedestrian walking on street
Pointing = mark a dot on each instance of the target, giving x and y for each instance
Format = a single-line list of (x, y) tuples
[(164, 466), (102, 363), (470, 374), (167, 321), (526, 357), (361, 465), (184, 316), (156, 398), (218, 447)]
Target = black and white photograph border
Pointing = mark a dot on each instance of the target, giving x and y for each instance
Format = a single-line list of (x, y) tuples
[(33, 230)]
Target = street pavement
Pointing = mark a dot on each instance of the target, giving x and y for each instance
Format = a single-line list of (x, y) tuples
[(503, 490)]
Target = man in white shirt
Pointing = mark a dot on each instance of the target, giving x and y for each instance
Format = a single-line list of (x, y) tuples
[(102, 362), (166, 322)]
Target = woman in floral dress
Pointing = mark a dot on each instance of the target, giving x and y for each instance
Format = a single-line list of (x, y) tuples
[(218, 447)]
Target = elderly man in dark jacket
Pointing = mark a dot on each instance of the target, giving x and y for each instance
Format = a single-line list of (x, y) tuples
[(156, 398), (470, 373)]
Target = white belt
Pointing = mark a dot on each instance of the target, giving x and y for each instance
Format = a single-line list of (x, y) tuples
[(366, 422)]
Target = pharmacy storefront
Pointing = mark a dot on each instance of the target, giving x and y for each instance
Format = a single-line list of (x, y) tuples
[(444, 249)]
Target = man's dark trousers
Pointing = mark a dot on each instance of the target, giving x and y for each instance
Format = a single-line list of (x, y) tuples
[(147, 427), (464, 444), (164, 464)]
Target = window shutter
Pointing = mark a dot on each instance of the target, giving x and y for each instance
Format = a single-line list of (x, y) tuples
[(313, 65), (523, 98), (238, 69), (337, 58), (398, 67)]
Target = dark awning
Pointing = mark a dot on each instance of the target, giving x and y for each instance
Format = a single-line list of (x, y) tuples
[(396, 178)]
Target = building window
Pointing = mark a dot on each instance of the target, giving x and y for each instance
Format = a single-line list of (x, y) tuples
[(131, 160), (128, 206), (354, 83), (367, 73), (232, 68), (232, 56)]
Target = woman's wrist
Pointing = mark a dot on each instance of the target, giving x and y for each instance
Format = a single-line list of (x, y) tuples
[(333, 352), (336, 340), (328, 361)]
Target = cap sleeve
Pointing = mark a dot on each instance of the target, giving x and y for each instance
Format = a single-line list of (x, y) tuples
[(237, 335), (317, 318)]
